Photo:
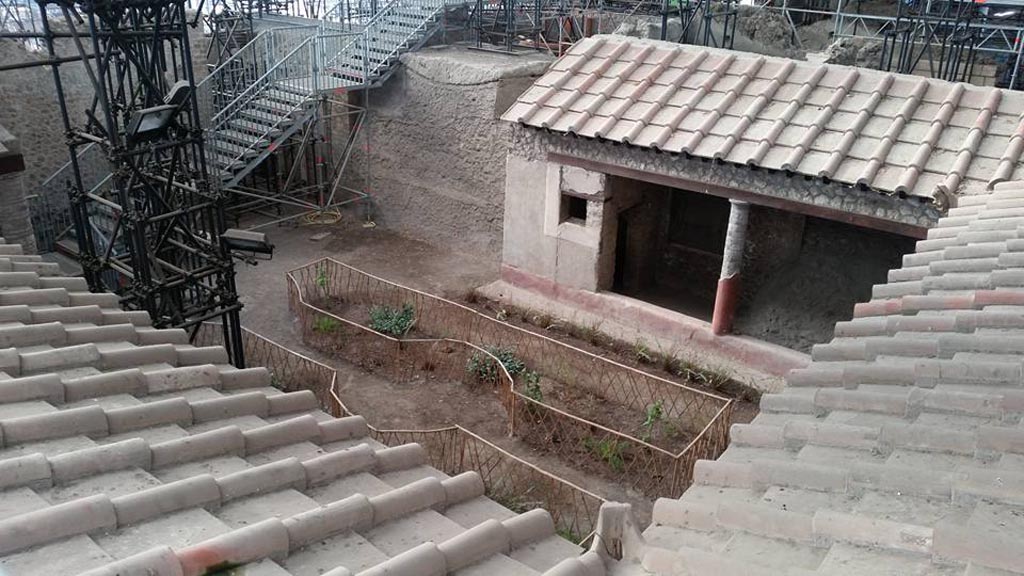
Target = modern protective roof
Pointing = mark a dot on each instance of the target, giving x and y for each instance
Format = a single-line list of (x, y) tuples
[(900, 448), (126, 451), (889, 132)]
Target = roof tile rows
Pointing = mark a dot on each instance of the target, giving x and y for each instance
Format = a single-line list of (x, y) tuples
[(900, 448), (124, 451), (889, 132)]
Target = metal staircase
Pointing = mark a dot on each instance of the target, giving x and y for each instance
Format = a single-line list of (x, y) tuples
[(272, 87), (263, 94)]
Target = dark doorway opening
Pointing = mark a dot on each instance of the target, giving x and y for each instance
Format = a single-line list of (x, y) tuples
[(668, 246)]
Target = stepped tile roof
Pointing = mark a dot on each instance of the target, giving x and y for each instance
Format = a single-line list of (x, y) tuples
[(124, 451), (900, 448), (894, 133)]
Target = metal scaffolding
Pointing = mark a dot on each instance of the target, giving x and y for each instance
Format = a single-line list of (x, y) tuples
[(152, 228), (942, 38)]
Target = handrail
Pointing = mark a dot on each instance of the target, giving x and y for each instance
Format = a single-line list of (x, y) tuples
[(256, 83), (234, 57)]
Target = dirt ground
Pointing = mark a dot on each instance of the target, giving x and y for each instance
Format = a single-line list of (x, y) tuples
[(425, 402), (441, 270)]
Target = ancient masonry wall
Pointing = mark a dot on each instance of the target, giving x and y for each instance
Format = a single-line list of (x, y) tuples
[(437, 146), (30, 111), (32, 115), (15, 225)]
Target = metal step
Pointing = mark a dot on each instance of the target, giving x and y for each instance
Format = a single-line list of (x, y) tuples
[(274, 106), (237, 137), (263, 118), (248, 126), (282, 94), (232, 149)]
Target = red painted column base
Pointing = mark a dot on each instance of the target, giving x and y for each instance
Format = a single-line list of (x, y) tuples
[(726, 298)]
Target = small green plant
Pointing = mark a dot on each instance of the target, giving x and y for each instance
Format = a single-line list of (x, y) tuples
[(711, 377), (532, 388), (569, 535), (322, 280), (325, 324), (513, 365), (642, 353), (655, 413), (513, 502), (608, 450), (543, 320), (392, 321), (485, 369), (590, 333), (275, 380), (482, 367)]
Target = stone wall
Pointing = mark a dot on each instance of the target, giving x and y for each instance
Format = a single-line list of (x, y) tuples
[(437, 147), (798, 297), (31, 113), (15, 225)]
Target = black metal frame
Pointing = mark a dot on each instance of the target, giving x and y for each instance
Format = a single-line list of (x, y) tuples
[(917, 33), (162, 249)]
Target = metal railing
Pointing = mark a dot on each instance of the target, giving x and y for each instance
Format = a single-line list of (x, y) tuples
[(50, 204), (352, 15), (384, 32), (508, 479), (460, 332), (238, 94)]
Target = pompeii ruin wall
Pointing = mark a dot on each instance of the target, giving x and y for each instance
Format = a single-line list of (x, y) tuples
[(437, 146), (32, 115)]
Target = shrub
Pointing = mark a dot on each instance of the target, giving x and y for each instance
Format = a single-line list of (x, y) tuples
[(654, 414), (608, 450), (325, 324), (642, 353), (322, 280), (532, 389), (392, 321), (485, 369)]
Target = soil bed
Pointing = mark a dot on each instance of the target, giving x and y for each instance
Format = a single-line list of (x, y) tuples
[(443, 400), (570, 399), (656, 430), (590, 339)]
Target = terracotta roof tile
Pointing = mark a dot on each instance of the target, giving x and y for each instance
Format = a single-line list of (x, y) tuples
[(839, 111), (126, 450), (898, 450)]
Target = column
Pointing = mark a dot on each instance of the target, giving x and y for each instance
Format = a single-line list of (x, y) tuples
[(727, 295)]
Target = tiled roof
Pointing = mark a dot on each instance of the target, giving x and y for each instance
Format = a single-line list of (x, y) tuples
[(126, 451), (889, 132), (900, 448)]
